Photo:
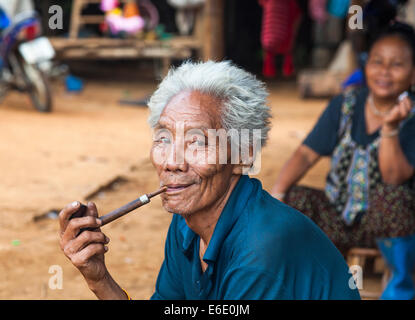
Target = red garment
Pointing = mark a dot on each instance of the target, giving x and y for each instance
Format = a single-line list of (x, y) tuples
[(318, 10), (31, 32), (277, 37)]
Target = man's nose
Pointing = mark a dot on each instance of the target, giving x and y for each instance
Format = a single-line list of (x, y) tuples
[(175, 160)]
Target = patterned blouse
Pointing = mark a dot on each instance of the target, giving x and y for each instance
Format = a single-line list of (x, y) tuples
[(354, 168)]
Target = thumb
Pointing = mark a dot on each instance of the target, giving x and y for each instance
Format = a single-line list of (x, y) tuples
[(394, 114), (92, 210)]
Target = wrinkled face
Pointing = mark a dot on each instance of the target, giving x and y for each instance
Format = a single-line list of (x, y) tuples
[(183, 158), (389, 69)]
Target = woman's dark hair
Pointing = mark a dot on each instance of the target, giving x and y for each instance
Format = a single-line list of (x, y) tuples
[(397, 29), (379, 13)]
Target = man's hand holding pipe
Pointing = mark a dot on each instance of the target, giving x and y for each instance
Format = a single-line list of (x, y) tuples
[(86, 249)]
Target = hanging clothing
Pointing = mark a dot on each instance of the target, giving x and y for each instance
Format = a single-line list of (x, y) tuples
[(279, 21), (318, 11), (338, 8)]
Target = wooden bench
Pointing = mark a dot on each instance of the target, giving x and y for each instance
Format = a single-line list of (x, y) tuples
[(359, 256)]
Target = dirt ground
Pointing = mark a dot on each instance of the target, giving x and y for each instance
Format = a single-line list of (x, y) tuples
[(91, 142)]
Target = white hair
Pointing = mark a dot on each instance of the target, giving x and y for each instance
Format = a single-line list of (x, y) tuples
[(243, 96)]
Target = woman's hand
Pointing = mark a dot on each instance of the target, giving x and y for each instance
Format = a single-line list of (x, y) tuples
[(398, 113), (84, 249), (393, 164)]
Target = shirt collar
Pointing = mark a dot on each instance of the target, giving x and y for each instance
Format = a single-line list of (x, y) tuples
[(230, 213)]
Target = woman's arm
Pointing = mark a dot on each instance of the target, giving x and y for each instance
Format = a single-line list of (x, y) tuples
[(294, 169), (394, 167), (393, 164), (321, 141)]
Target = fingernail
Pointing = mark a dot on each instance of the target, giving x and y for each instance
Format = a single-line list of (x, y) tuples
[(105, 248), (74, 204), (107, 239), (99, 222), (403, 96)]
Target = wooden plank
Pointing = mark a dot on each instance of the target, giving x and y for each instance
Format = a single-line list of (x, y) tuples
[(125, 53), (75, 15), (369, 294), (118, 48), (99, 1), (176, 43), (92, 19), (369, 252), (198, 30), (213, 30)]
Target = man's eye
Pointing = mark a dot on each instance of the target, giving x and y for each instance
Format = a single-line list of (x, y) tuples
[(199, 142), (163, 140)]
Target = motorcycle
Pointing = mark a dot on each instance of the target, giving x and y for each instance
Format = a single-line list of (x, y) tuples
[(25, 58)]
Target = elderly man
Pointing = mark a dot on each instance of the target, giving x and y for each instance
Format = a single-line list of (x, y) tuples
[(228, 239)]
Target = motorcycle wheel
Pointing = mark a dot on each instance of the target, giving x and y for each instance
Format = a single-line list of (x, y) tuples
[(4, 86), (38, 87)]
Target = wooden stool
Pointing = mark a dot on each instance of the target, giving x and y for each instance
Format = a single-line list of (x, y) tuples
[(358, 256)]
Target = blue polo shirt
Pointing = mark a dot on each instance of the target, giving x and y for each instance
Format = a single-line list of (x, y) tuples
[(260, 249)]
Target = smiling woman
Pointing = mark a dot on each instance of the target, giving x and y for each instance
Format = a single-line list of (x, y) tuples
[(369, 198)]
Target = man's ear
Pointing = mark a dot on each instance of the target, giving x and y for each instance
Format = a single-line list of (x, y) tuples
[(241, 168), (237, 169)]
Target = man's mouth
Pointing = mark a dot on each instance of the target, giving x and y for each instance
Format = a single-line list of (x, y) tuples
[(174, 188)]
